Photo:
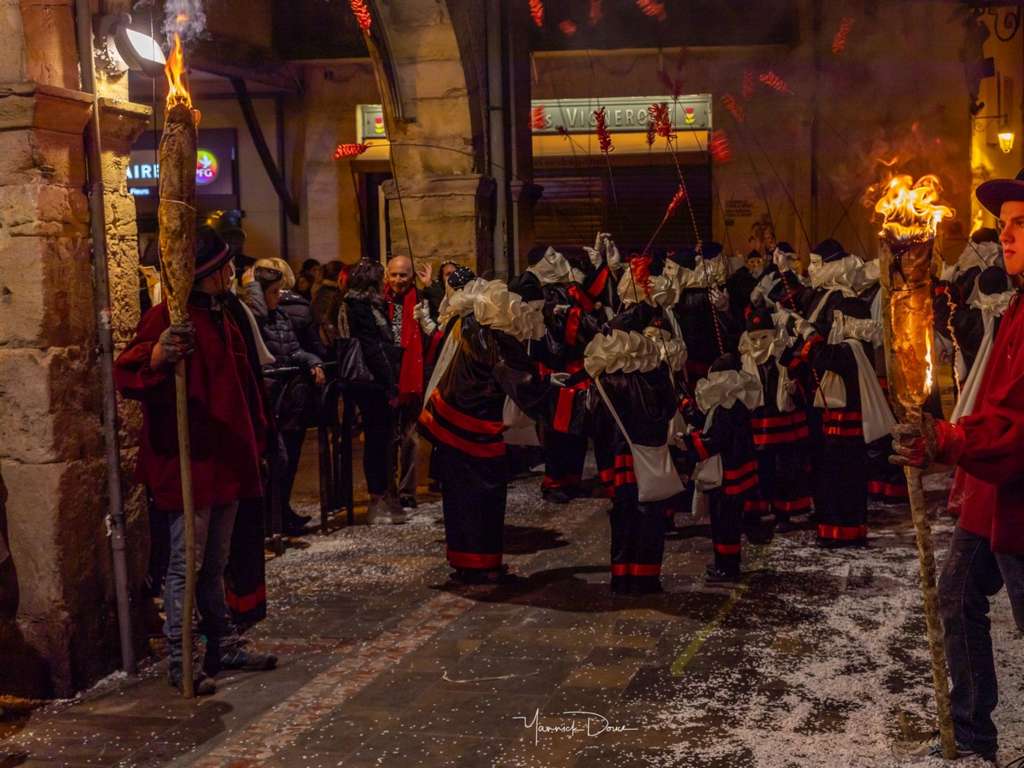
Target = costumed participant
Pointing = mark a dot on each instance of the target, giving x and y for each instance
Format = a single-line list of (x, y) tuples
[(778, 422), (463, 418), (987, 549), (228, 434), (835, 275), (721, 447), (600, 282), (975, 323), (981, 252), (785, 287), (570, 324), (742, 282), (854, 413), (702, 312), (633, 414)]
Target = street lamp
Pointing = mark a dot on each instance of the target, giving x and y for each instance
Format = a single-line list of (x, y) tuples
[(121, 48), (1006, 141)]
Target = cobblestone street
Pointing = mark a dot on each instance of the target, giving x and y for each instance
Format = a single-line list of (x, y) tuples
[(817, 658)]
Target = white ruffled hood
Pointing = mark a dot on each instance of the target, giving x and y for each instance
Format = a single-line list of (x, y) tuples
[(982, 255), (663, 291), (724, 388), (850, 274), (633, 352), (712, 273), (861, 329), (554, 269), (494, 306)]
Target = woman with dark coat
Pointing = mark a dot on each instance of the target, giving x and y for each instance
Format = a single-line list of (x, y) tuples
[(367, 319), (293, 398)]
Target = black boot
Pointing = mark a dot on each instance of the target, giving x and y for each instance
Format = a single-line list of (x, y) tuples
[(201, 684)]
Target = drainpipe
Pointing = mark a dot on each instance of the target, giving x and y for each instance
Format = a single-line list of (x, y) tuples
[(496, 114), (101, 302)]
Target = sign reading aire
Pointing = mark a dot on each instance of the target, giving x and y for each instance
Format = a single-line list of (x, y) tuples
[(215, 161), (623, 115)]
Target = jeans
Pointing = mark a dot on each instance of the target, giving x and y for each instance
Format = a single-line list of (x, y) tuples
[(404, 450), (213, 545), (971, 575)]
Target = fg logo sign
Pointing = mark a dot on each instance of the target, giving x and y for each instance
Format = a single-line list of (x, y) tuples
[(207, 167)]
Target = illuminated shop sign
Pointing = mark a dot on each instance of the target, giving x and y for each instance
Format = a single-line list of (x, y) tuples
[(144, 176), (552, 116), (215, 163)]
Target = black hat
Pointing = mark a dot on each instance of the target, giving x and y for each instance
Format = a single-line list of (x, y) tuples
[(212, 252), (685, 257), (267, 276), (711, 249), (461, 277), (754, 254), (985, 235), (992, 194), (855, 308), (830, 250), (727, 362), (760, 319), (993, 281), (785, 247)]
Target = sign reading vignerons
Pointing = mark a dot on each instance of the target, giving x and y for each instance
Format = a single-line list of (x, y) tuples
[(551, 116)]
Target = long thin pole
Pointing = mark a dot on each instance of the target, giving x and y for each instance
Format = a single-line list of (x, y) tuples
[(101, 300), (188, 510)]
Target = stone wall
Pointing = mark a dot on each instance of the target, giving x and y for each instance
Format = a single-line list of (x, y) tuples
[(58, 631)]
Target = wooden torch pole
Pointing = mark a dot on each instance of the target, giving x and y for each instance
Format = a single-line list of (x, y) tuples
[(177, 216), (911, 314)]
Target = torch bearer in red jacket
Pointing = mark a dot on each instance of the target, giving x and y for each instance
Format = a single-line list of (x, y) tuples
[(177, 216), (911, 213)]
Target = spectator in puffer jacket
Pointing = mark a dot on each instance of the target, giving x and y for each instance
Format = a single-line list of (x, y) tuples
[(293, 397)]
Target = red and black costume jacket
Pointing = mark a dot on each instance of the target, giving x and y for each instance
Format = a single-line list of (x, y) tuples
[(845, 424), (728, 436), (645, 403), (707, 332), (769, 426), (601, 288), (465, 412)]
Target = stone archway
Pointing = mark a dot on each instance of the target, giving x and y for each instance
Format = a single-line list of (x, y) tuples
[(432, 75)]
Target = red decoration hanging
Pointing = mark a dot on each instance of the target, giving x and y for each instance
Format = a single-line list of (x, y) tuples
[(748, 84), (567, 27), (733, 107), (661, 119), (719, 147), (538, 118), (774, 82), (348, 151), (537, 12), (839, 41), (652, 132), (596, 11), (652, 8), (362, 14), (675, 87), (604, 138), (640, 268), (677, 200)]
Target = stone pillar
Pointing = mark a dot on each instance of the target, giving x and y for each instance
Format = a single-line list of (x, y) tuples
[(59, 631)]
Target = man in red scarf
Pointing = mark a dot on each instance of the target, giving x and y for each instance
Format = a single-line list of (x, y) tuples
[(402, 299), (987, 448)]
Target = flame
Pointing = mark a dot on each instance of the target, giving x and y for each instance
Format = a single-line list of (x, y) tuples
[(911, 211), (929, 364), (175, 69)]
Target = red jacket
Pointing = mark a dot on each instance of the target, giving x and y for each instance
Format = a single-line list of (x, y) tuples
[(988, 446), (226, 421)]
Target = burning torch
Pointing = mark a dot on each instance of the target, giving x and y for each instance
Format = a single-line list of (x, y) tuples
[(911, 213), (177, 216)]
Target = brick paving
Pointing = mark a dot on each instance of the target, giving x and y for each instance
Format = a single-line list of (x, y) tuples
[(383, 663)]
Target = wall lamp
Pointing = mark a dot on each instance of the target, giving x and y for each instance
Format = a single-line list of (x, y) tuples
[(120, 48)]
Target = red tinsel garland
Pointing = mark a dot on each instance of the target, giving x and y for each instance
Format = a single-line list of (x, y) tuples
[(677, 200), (652, 8), (538, 118), (719, 147), (604, 138), (652, 132), (362, 14), (640, 268), (567, 27), (348, 151), (733, 107), (596, 11), (774, 82), (537, 12), (839, 41), (660, 118)]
